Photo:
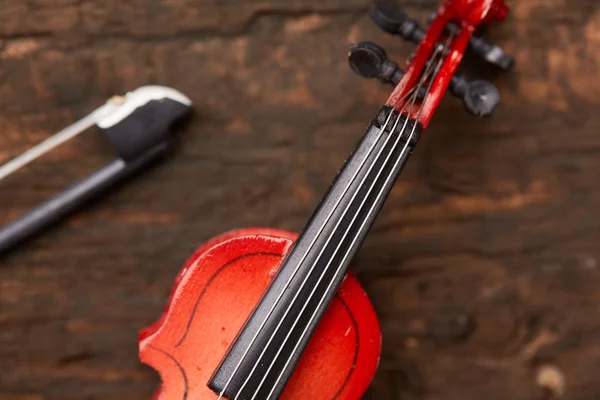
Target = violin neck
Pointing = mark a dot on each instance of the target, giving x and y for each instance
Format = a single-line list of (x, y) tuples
[(270, 344)]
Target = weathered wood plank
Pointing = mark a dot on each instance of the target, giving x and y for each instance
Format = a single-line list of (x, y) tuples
[(483, 265)]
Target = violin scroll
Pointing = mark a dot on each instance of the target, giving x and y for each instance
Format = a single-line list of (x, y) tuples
[(391, 19), (432, 68)]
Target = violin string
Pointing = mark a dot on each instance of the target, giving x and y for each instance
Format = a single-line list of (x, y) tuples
[(318, 256), (309, 248), (437, 68)]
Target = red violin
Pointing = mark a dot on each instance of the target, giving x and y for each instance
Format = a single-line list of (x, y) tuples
[(260, 314)]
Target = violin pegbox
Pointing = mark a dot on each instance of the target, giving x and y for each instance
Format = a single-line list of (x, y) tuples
[(479, 97)]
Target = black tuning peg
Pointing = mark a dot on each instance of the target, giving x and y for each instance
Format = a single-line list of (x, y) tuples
[(480, 97), (490, 52), (370, 60), (390, 18), (484, 48)]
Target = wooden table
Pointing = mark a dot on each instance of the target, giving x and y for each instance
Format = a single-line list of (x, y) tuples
[(483, 266)]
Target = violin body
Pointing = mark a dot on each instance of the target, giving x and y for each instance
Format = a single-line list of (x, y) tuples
[(216, 291)]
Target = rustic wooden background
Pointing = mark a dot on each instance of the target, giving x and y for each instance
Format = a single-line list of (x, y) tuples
[(483, 266)]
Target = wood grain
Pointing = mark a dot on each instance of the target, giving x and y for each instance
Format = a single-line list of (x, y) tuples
[(483, 265)]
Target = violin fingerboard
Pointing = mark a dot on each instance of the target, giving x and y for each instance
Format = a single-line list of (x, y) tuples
[(261, 360)]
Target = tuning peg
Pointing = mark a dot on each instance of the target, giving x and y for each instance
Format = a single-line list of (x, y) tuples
[(370, 60), (482, 47), (480, 97), (490, 52), (486, 49), (390, 18)]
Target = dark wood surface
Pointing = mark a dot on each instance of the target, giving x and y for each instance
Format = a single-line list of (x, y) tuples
[(483, 266)]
